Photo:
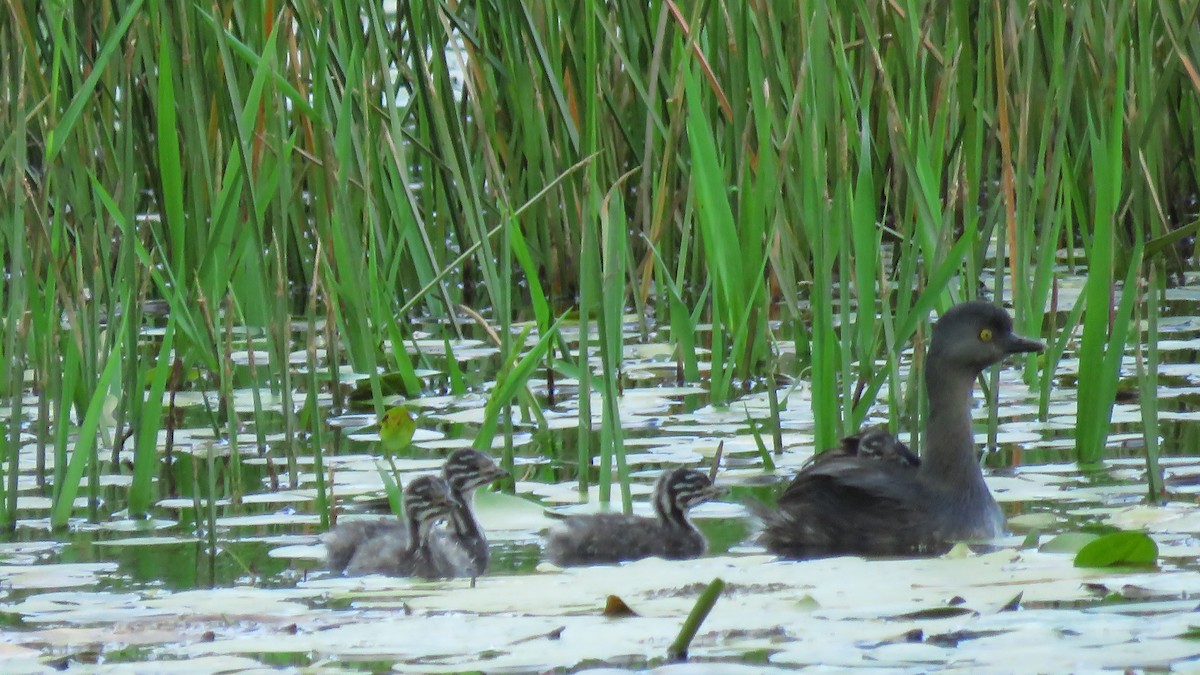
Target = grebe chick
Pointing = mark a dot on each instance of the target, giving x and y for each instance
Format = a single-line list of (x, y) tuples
[(464, 471), (613, 537)]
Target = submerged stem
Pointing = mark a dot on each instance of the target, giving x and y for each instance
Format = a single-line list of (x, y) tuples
[(679, 648)]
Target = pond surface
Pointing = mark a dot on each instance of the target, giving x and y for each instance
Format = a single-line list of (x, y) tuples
[(115, 593)]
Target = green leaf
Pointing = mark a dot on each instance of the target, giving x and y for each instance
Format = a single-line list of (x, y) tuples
[(390, 384), (1068, 542), (146, 458), (1031, 539), (85, 97), (507, 383), (458, 387), (85, 444), (396, 429), (391, 486), (1160, 245), (1118, 548), (499, 511)]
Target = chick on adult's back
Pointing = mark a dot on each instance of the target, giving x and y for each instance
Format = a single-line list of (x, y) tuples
[(613, 537)]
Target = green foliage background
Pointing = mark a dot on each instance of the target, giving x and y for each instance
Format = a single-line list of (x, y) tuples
[(352, 167)]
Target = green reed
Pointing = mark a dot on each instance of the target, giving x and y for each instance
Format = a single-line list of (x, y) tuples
[(589, 301), (610, 327), (1147, 368), (740, 164), (315, 415), (682, 319), (1103, 342)]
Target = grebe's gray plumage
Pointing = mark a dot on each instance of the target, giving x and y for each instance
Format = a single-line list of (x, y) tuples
[(880, 500), (422, 553), (464, 471), (613, 537)]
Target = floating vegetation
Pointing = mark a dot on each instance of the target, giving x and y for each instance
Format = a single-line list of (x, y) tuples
[(594, 241), (1118, 548)]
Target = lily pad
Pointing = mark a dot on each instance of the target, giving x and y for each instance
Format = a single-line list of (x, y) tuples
[(1068, 542), (1031, 521), (499, 511), (1118, 548)]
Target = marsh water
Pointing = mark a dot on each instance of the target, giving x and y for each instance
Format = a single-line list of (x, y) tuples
[(113, 592)]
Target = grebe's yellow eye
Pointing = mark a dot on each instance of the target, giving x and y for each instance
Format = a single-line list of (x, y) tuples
[(985, 335)]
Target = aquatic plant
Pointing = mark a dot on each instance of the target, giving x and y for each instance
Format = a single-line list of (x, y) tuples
[(814, 178)]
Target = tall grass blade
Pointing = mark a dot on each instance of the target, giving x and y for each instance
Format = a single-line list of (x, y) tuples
[(84, 451), (1148, 380)]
